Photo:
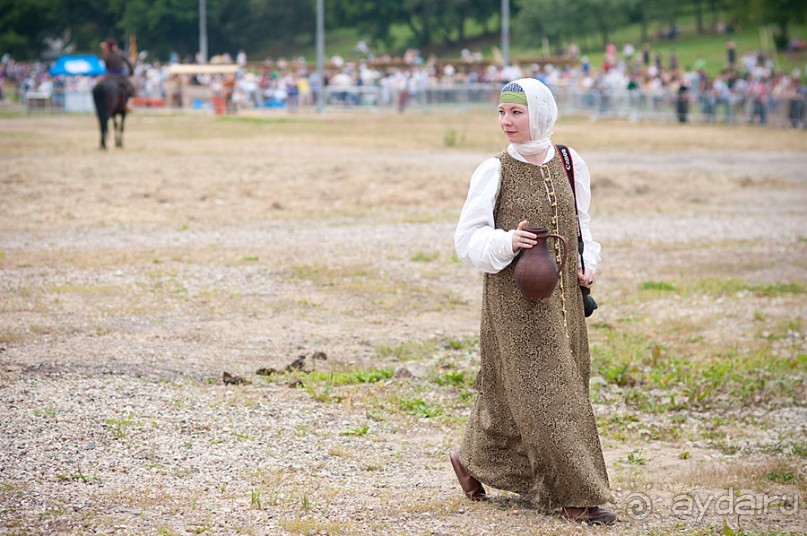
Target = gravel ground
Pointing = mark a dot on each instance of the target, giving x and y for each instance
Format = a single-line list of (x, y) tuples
[(125, 297)]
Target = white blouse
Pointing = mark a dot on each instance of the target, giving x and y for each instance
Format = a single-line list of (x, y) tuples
[(477, 241)]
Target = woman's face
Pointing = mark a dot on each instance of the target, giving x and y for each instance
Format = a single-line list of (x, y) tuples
[(514, 119)]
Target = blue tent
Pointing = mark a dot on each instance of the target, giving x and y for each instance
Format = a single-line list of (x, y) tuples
[(85, 64)]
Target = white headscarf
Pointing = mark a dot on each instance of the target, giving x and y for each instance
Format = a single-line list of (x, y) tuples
[(543, 111)]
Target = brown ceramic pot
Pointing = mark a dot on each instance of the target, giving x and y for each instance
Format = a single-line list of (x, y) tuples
[(536, 271)]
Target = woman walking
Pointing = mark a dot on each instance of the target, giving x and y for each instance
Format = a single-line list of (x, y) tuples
[(532, 429)]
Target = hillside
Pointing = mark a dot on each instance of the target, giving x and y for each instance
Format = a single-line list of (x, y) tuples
[(689, 47)]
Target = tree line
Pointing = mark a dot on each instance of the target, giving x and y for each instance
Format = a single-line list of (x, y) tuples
[(32, 29), (561, 21)]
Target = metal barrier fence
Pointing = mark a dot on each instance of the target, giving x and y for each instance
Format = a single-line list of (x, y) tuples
[(633, 105)]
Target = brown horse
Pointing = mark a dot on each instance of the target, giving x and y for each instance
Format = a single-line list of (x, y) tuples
[(110, 96)]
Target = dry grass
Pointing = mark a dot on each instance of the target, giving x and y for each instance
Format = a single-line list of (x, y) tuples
[(137, 276), (772, 475)]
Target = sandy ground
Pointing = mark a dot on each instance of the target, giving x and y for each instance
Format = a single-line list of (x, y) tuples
[(131, 279)]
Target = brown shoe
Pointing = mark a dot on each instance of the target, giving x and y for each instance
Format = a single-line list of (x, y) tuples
[(472, 487), (591, 515)]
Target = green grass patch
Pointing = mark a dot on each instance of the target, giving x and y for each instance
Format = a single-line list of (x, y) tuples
[(691, 46), (422, 256), (455, 378), (118, 426), (726, 287), (358, 430), (717, 287), (419, 408), (777, 289), (411, 350), (79, 476), (466, 344), (636, 458), (353, 377), (781, 478), (13, 114), (255, 499), (655, 379), (782, 330), (657, 285), (325, 386), (50, 412)]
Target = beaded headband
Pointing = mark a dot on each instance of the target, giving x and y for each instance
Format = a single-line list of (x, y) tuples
[(513, 93)]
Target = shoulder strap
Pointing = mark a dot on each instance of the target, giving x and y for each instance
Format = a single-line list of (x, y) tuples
[(568, 166)]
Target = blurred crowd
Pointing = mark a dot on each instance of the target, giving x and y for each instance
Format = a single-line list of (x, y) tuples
[(638, 82), (748, 87)]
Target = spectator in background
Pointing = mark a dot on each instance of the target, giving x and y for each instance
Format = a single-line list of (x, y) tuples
[(628, 51), (644, 82), (723, 97), (646, 55), (759, 92), (673, 60), (682, 102), (796, 94), (228, 89), (731, 53), (292, 92)]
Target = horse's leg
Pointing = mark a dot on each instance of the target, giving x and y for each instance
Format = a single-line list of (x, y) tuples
[(103, 133), (115, 130), (104, 123), (101, 112), (122, 120)]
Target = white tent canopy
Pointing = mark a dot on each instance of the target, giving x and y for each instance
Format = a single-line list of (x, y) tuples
[(193, 68)]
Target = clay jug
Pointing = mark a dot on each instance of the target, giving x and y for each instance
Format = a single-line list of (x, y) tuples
[(536, 271)]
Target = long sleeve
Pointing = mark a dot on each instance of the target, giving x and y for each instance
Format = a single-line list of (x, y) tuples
[(582, 180), (476, 240)]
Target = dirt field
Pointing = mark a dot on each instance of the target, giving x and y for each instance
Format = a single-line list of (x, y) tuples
[(132, 279)]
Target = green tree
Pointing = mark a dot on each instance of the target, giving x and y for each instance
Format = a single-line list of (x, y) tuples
[(24, 25), (608, 15), (163, 26), (255, 25), (550, 19), (644, 12), (423, 16), (458, 12), (561, 21), (780, 13), (370, 17), (91, 21), (430, 23)]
